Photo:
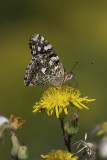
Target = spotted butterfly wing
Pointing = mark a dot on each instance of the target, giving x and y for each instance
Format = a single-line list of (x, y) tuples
[(45, 67)]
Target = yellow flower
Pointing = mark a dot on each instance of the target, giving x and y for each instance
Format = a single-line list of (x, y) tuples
[(59, 98), (59, 155), (103, 128)]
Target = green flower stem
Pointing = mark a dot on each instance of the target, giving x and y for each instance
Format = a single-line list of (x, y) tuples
[(67, 138), (69, 142)]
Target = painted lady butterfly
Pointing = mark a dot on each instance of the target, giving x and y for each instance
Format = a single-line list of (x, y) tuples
[(45, 67)]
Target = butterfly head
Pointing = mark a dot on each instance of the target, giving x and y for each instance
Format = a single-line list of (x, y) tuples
[(68, 75)]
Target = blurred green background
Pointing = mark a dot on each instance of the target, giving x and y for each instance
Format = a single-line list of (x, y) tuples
[(77, 30)]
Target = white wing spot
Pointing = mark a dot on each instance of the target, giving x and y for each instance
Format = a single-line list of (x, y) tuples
[(41, 61), (34, 52), (33, 47), (43, 70), (51, 63), (36, 37), (47, 47), (56, 67), (42, 38), (30, 84), (39, 48), (54, 58)]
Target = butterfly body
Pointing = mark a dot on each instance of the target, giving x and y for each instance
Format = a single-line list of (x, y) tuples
[(45, 67)]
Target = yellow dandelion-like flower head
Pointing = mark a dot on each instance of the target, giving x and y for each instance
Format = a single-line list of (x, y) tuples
[(59, 98), (102, 128), (59, 155)]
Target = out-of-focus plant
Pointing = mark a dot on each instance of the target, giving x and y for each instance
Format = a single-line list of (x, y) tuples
[(11, 125)]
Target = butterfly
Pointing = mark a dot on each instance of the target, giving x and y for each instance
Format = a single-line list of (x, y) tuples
[(45, 67)]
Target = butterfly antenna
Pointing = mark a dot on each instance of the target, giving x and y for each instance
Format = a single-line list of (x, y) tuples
[(92, 62), (74, 65), (72, 70), (75, 82)]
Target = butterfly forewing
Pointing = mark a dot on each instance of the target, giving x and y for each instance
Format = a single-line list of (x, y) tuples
[(45, 67), (39, 45)]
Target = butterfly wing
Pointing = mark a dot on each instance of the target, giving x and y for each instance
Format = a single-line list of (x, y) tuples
[(45, 67)]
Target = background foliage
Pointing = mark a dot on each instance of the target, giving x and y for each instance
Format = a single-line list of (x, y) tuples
[(77, 30)]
